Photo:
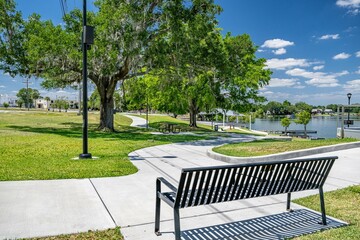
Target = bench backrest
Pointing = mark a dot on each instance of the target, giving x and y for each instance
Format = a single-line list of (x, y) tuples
[(207, 185)]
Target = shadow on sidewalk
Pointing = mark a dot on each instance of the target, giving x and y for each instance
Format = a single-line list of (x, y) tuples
[(279, 226)]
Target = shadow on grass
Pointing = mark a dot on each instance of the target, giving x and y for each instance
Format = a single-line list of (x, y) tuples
[(74, 130)]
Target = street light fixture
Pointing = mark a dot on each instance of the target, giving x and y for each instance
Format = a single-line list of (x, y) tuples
[(87, 40), (349, 97)]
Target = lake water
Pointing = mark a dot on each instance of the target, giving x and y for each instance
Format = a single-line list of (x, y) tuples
[(324, 125)]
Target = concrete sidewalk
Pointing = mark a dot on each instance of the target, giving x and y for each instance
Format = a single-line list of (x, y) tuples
[(43, 208), (137, 121)]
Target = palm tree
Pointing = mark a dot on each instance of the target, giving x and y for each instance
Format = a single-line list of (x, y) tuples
[(47, 99)]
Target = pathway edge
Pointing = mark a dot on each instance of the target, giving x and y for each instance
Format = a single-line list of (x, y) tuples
[(282, 156)]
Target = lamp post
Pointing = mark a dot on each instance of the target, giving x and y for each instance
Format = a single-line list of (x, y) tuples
[(87, 40), (349, 97)]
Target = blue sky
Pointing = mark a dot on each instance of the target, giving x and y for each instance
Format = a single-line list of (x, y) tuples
[(312, 46)]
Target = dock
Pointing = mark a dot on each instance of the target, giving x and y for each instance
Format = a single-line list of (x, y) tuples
[(299, 132)]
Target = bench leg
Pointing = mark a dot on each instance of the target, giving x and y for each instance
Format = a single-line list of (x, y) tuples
[(288, 202), (177, 224), (157, 208), (322, 206)]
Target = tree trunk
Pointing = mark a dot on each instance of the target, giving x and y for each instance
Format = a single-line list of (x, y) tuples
[(305, 130), (193, 111), (106, 113)]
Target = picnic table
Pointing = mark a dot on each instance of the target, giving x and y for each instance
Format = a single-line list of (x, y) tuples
[(169, 127)]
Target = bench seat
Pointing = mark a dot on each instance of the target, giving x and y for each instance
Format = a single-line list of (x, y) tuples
[(210, 185)]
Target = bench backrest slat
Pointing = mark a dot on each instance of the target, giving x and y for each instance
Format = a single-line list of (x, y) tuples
[(207, 185)]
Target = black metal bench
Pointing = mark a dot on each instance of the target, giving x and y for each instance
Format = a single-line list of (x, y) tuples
[(208, 185)]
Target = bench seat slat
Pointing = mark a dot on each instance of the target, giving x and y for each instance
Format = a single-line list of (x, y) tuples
[(239, 172), (194, 186), (186, 190), (213, 186), (224, 191), (246, 183), (201, 187), (277, 177), (312, 175), (232, 181), (218, 187)]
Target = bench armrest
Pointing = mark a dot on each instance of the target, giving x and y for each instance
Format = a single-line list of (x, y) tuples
[(169, 185)]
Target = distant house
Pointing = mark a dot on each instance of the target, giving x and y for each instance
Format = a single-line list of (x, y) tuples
[(328, 111), (43, 104), (316, 111)]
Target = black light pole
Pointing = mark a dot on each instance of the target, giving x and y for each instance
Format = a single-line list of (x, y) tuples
[(349, 97), (87, 40)]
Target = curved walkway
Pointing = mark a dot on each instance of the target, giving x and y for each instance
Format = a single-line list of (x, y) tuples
[(137, 121), (43, 208)]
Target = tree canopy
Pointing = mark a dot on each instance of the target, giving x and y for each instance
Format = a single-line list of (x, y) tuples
[(172, 49), (27, 96)]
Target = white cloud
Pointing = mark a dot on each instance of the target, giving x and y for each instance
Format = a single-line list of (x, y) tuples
[(357, 54), (353, 86), (275, 95), (279, 51), (261, 50), (350, 29), (284, 82), (352, 5), (358, 71), (341, 56), (316, 68), (353, 12), (277, 43), (2, 86), (348, 3), (323, 82), (282, 64), (330, 36), (318, 79)]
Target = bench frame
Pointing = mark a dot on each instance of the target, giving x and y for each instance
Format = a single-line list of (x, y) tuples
[(208, 185)]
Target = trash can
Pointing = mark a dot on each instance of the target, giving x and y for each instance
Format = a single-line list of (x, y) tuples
[(216, 128)]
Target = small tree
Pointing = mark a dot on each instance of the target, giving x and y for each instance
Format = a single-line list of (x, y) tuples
[(303, 117), (285, 122), (47, 99), (19, 102), (28, 96), (66, 105), (6, 105)]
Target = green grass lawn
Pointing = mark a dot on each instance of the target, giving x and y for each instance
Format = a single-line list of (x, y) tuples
[(270, 146), (41, 145), (342, 204), (110, 234)]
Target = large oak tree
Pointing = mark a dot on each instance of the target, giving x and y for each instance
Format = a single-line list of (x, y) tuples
[(126, 33)]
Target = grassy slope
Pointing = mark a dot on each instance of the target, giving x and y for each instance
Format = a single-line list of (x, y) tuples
[(37, 145), (265, 147), (342, 204)]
